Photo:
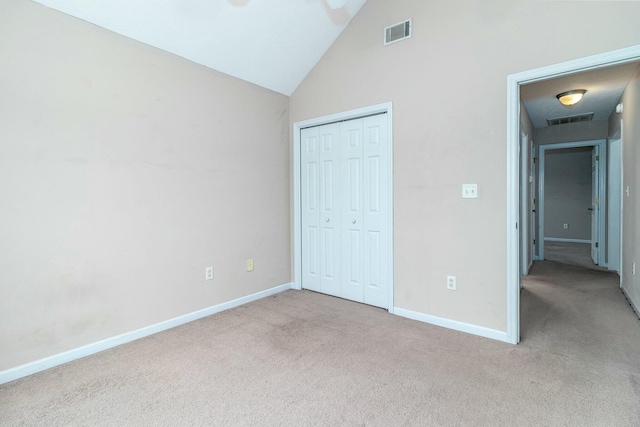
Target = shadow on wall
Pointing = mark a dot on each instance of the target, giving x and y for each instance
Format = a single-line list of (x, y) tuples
[(336, 11)]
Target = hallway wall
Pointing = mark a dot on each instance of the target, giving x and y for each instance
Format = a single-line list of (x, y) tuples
[(631, 179), (572, 132)]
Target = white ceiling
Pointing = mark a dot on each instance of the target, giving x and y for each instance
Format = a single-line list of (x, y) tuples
[(272, 43), (604, 88)]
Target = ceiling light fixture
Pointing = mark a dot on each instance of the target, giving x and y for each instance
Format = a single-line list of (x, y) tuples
[(571, 98)]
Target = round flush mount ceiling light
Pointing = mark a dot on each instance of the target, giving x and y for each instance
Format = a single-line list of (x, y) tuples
[(571, 98)]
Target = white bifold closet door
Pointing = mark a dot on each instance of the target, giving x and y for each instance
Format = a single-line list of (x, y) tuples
[(346, 209)]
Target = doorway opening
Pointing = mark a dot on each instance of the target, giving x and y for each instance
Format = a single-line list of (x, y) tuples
[(514, 214), (573, 178)]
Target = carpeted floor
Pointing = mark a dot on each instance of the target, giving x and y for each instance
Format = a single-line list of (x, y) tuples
[(578, 254), (301, 358)]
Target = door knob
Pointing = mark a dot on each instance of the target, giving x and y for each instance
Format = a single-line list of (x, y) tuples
[(353, 221), (326, 220)]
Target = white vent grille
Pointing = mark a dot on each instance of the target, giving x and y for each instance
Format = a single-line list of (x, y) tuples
[(570, 119), (397, 32)]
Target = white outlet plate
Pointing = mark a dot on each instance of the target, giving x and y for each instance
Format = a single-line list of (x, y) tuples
[(250, 264), (451, 283), (565, 226), (469, 191), (208, 273)]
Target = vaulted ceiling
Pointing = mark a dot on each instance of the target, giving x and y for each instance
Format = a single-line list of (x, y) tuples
[(272, 43), (276, 43)]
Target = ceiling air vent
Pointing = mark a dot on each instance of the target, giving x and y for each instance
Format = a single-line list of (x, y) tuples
[(587, 117), (397, 32)]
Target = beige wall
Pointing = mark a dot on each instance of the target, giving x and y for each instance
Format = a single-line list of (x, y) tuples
[(124, 172), (448, 88), (631, 178)]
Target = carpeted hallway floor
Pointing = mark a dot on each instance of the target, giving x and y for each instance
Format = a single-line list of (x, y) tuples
[(577, 254), (300, 358)]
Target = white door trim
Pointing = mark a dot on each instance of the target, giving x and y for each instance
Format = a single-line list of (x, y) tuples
[(524, 202), (297, 221), (602, 185), (514, 81)]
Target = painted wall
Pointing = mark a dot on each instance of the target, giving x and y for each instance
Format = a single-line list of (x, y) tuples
[(448, 87), (567, 193), (630, 178), (572, 132), (124, 172)]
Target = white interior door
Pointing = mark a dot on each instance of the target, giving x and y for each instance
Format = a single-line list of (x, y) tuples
[(346, 208), (614, 200), (376, 211), (524, 200), (532, 194), (321, 209), (352, 204), (310, 207), (595, 204), (329, 209)]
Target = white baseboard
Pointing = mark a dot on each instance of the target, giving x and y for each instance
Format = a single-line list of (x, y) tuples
[(562, 239), (453, 324), (87, 350), (631, 301)]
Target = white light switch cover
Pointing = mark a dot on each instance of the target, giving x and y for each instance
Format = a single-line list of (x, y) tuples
[(469, 191)]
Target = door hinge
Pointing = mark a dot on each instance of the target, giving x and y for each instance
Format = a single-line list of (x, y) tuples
[(597, 245), (533, 201), (597, 158), (534, 241), (597, 201)]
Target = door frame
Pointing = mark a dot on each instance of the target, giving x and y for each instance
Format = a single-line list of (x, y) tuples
[(532, 206), (297, 199), (602, 195), (514, 81), (524, 202), (615, 166)]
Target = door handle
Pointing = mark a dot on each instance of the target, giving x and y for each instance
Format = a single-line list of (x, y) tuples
[(589, 209)]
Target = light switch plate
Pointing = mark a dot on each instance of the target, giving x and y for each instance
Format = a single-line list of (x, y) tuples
[(469, 191)]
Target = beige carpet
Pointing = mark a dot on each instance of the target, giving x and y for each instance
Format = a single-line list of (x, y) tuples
[(578, 254), (300, 358)]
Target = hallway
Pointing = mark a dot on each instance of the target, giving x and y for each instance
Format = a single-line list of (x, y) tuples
[(576, 254), (582, 316)]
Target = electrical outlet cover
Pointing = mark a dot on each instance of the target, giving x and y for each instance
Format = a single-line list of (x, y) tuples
[(451, 283)]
